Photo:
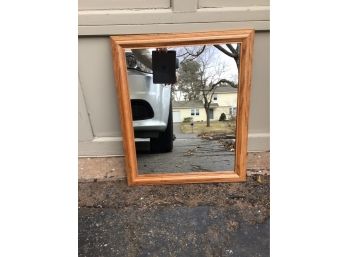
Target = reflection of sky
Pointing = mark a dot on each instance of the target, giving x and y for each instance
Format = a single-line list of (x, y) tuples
[(231, 72), (218, 58)]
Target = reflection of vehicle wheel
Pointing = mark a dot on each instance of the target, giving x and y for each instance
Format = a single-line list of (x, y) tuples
[(164, 142)]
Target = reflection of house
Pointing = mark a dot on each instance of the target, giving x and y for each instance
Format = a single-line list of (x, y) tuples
[(224, 101)]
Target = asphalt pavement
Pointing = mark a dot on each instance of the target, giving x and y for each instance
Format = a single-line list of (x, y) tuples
[(196, 220), (179, 232), (190, 153)]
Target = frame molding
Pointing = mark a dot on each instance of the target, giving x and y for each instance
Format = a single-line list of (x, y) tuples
[(119, 43)]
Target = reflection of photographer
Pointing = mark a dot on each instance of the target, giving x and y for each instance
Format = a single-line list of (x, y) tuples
[(131, 61)]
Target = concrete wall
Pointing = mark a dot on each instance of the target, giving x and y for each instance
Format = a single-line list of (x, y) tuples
[(99, 125)]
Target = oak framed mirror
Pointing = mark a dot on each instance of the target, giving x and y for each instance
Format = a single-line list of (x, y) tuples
[(190, 127)]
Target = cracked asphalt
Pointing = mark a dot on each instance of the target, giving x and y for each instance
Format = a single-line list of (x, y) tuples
[(181, 231), (196, 220), (190, 153)]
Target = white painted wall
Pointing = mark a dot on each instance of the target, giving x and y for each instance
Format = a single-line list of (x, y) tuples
[(226, 99), (232, 3), (177, 116), (122, 4), (186, 113), (99, 125)]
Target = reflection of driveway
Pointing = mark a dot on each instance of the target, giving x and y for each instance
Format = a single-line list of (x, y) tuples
[(190, 153), (179, 135)]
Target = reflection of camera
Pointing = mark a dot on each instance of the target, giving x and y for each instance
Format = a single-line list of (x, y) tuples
[(164, 65)]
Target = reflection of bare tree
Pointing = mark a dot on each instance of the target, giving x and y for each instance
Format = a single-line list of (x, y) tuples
[(199, 77), (210, 78), (188, 80), (191, 53), (229, 50)]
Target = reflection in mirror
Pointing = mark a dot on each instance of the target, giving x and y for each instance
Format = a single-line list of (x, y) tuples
[(188, 126)]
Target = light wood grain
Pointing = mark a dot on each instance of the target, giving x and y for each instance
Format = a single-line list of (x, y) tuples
[(243, 105), (120, 71), (119, 43)]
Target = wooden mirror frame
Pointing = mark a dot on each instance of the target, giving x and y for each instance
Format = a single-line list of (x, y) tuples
[(119, 43)]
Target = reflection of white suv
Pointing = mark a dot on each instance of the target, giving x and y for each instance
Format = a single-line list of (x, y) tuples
[(151, 110)]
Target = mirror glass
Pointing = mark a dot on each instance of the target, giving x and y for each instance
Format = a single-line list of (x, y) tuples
[(188, 126)]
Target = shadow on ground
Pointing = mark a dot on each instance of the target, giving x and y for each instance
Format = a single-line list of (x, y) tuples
[(174, 220)]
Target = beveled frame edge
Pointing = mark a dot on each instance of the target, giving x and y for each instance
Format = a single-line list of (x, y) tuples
[(119, 43)]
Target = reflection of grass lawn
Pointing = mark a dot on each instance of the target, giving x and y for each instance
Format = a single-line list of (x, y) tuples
[(215, 127)]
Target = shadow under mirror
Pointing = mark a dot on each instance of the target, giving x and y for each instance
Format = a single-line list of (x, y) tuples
[(184, 107)]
